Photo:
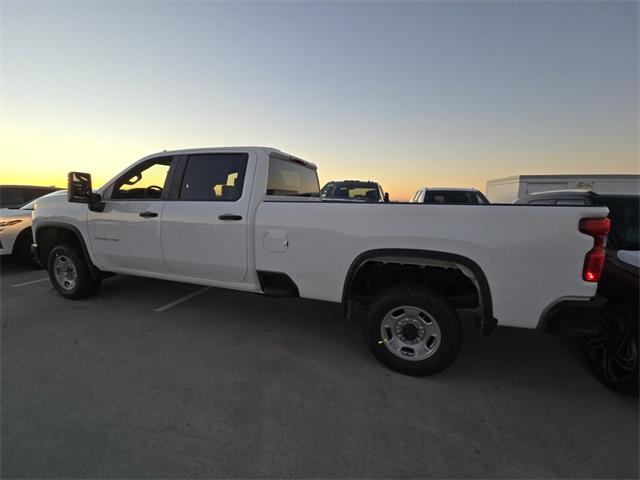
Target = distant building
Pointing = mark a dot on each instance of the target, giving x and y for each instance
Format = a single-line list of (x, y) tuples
[(508, 189)]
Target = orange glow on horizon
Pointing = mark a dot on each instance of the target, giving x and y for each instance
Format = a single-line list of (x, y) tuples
[(47, 162)]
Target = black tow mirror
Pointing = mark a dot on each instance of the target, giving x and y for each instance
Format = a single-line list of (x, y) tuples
[(79, 187), (386, 197)]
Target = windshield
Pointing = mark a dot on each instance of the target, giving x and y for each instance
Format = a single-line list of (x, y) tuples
[(625, 230), (353, 191), (453, 196)]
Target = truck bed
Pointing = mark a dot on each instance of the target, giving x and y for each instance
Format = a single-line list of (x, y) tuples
[(532, 256)]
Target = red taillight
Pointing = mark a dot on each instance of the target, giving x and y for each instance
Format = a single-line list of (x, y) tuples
[(598, 228)]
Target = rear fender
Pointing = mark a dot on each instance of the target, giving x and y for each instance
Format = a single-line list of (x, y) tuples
[(428, 258)]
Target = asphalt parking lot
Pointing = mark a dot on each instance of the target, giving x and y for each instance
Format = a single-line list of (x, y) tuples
[(129, 384)]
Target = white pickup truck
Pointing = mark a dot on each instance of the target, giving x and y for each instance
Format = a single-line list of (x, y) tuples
[(250, 218)]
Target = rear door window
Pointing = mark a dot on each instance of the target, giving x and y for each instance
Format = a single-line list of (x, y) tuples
[(214, 177)]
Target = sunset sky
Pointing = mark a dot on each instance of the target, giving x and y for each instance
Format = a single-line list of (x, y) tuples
[(408, 94)]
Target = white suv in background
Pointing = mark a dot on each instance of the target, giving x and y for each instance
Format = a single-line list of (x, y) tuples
[(15, 232)]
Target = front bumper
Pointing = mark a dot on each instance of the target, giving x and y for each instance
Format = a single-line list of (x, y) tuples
[(573, 317)]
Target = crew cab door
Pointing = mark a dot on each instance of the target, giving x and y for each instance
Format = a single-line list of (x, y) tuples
[(204, 223), (126, 235)]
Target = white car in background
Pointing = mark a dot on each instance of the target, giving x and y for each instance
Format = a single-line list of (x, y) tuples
[(15, 231)]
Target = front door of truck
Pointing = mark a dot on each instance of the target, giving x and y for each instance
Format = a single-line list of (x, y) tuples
[(204, 224), (126, 235)]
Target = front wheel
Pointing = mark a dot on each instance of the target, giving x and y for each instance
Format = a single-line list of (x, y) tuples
[(413, 330), (613, 354), (69, 273)]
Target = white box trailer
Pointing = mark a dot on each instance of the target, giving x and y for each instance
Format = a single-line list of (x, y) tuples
[(508, 189)]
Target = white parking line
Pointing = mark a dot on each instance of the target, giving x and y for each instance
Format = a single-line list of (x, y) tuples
[(180, 300), (24, 284)]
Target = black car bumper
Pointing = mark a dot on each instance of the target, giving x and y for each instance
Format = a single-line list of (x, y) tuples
[(573, 317)]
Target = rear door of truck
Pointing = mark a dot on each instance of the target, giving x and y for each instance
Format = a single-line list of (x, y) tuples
[(204, 222)]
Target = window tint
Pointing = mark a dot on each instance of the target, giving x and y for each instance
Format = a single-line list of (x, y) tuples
[(291, 179), (214, 177), (144, 181)]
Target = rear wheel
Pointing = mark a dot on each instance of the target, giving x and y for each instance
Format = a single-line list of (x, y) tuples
[(413, 330), (69, 273), (613, 354)]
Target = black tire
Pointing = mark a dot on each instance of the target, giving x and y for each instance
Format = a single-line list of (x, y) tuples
[(422, 301), (68, 256), (613, 354)]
